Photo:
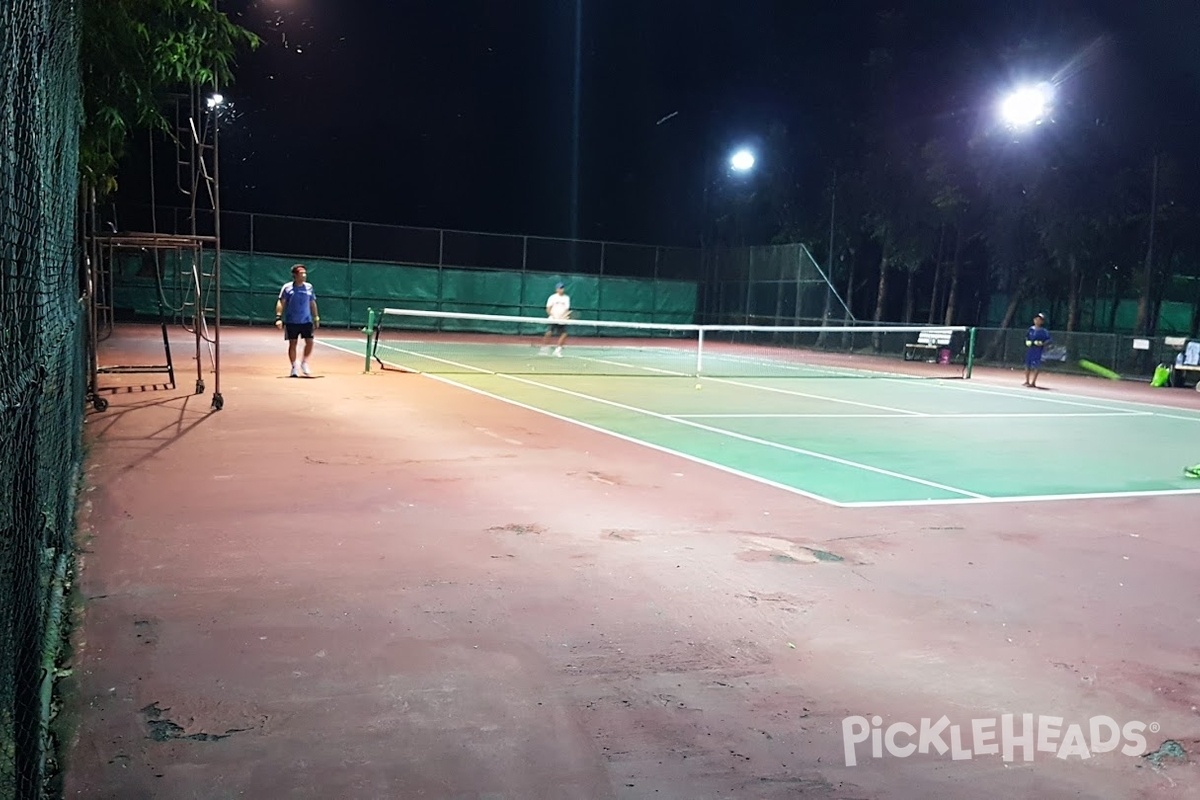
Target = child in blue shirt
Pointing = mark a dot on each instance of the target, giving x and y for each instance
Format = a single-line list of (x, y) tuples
[(1036, 339)]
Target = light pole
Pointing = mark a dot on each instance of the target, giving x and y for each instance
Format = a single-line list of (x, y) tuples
[(740, 163)]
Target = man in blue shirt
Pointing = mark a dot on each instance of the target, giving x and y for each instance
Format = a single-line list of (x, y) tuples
[(1036, 339), (296, 313)]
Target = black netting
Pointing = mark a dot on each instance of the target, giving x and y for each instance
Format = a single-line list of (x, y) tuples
[(41, 367)]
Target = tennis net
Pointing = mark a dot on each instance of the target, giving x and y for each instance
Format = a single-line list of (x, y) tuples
[(439, 342)]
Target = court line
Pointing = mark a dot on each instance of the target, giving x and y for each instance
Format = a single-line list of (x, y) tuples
[(752, 439), (906, 413), (775, 389), (711, 429), (631, 440), (896, 377), (934, 417), (976, 500), (1030, 395), (633, 366), (828, 369), (794, 393), (1024, 498)]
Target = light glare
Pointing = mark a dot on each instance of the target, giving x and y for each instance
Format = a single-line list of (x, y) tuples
[(1026, 106), (742, 161)]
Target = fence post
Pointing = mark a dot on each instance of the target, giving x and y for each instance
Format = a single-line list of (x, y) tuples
[(749, 279), (370, 331), (654, 286), (600, 286), (970, 353), (524, 272), (441, 260)]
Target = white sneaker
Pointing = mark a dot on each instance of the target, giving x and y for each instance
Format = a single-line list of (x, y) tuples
[(304, 368), (294, 374), (558, 352)]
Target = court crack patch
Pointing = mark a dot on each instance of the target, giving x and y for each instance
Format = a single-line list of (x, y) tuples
[(781, 551), (163, 729), (1169, 751), (518, 528)]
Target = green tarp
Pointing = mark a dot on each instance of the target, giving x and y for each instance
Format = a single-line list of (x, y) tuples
[(250, 284)]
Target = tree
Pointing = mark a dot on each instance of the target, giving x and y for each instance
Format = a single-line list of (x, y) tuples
[(133, 53), (950, 184)]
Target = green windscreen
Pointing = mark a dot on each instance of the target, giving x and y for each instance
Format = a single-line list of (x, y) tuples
[(250, 284)]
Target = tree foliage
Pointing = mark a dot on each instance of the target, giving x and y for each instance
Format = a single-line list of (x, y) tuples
[(1080, 214), (134, 53)]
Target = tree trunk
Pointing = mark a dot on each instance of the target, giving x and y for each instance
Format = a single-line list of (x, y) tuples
[(1076, 288), (909, 298), (849, 299), (1010, 314), (828, 309), (849, 292), (937, 278), (1142, 325), (881, 295), (952, 297), (825, 312), (1093, 327)]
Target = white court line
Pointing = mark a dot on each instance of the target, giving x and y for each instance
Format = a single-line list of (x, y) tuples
[(614, 434), (832, 371), (1025, 498), (760, 387), (1030, 394), (794, 393), (633, 366), (977, 500), (933, 417), (719, 431)]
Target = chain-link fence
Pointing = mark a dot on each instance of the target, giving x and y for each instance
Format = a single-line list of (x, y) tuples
[(41, 369), (370, 242), (769, 285)]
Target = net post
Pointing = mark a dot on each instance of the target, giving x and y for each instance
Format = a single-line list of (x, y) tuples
[(699, 351), (370, 331), (970, 352)]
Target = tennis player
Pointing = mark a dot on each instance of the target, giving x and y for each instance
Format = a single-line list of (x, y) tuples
[(1036, 339), (558, 306), (296, 313)]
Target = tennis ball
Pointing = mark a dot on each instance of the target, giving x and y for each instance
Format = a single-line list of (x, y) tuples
[(698, 386)]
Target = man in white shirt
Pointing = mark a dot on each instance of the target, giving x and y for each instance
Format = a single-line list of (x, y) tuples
[(558, 306)]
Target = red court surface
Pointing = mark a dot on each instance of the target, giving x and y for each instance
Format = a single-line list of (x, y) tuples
[(382, 586)]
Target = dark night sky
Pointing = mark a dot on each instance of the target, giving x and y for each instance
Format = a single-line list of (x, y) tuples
[(461, 113)]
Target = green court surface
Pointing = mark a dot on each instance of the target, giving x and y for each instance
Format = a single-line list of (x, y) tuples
[(876, 441)]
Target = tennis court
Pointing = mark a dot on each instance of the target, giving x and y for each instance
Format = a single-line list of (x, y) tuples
[(872, 432), (395, 584)]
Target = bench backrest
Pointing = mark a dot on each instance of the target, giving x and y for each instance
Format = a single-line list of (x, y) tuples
[(935, 337)]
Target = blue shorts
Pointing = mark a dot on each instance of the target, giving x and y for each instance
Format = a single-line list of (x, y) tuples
[(1033, 358)]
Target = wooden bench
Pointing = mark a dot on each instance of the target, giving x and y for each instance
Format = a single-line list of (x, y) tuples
[(930, 339), (1187, 362)]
